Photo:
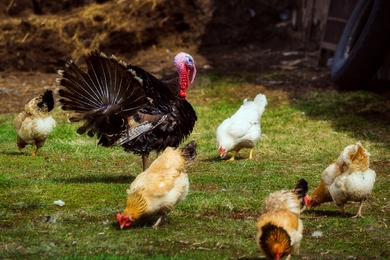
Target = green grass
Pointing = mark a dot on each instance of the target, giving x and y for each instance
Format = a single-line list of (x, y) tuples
[(305, 133)]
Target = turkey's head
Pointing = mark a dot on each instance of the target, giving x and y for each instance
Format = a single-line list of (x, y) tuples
[(185, 64)]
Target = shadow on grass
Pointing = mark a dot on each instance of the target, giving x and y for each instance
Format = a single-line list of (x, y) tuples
[(218, 159), (13, 153), (143, 223), (212, 159), (365, 115), (315, 214), (125, 179)]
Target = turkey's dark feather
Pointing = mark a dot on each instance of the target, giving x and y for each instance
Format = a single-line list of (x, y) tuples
[(113, 100), (104, 96)]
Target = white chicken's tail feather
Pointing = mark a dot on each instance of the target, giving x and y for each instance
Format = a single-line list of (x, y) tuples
[(261, 102)]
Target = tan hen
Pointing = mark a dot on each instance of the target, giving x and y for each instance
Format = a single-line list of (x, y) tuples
[(158, 189), (34, 124)]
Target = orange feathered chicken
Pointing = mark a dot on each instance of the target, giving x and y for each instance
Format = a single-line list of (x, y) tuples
[(158, 189), (279, 228)]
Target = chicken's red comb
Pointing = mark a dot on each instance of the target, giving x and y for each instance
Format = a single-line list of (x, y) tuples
[(123, 220)]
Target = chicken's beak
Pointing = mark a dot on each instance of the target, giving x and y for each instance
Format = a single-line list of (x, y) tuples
[(222, 153), (306, 199), (119, 218)]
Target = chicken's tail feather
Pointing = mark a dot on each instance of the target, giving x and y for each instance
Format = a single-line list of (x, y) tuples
[(300, 190), (104, 95), (189, 152), (261, 102), (48, 100)]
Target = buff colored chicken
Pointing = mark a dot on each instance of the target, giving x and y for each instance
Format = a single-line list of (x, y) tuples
[(34, 124), (348, 179), (158, 189), (279, 228)]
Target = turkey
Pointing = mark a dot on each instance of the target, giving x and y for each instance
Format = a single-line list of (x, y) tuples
[(123, 105)]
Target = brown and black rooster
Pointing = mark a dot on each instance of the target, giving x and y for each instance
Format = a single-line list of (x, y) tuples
[(127, 106), (279, 228)]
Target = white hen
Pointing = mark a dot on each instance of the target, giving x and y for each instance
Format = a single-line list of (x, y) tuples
[(242, 130)]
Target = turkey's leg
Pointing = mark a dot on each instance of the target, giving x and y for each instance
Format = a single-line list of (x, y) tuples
[(144, 160)]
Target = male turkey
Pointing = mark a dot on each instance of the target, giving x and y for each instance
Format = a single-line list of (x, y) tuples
[(127, 106)]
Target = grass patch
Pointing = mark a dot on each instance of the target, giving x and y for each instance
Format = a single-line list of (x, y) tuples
[(304, 135)]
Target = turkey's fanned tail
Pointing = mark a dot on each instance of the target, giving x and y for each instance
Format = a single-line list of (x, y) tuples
[(104, 95)]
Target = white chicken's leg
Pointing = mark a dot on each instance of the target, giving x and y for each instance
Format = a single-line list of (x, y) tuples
[(288, 257), (251, 154), (359, 214), (234, 155)]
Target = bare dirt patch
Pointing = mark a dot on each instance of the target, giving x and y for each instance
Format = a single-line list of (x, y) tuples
[(232, 37)]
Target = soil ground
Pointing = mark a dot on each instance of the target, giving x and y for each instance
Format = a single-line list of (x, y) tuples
[(231, 37)]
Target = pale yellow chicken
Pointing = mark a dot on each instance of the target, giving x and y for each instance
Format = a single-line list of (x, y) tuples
[(158, 189), (347, 179), (34, 124), (279, 228)]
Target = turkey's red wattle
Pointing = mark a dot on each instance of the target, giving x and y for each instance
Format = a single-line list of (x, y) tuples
[(184, 81), (184, 64)]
